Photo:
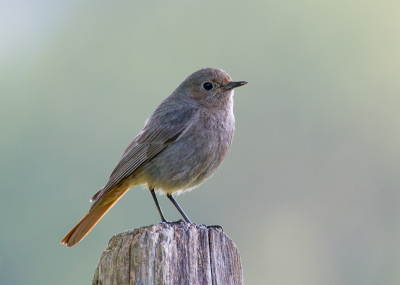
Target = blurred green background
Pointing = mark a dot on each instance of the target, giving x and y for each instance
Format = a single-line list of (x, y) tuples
[(310, 189)]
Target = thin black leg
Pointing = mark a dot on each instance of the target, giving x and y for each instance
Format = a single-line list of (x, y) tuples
[(179, 208), (158, 206)]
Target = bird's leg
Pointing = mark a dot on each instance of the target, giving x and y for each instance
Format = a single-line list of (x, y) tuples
[(179, 208), (158, 206)]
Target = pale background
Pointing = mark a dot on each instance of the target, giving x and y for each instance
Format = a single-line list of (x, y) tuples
[(310, 189)]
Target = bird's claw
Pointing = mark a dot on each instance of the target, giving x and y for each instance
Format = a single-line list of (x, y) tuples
[(215, 227)]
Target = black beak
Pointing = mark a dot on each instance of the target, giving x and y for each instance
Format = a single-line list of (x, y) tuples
[(234, 84)]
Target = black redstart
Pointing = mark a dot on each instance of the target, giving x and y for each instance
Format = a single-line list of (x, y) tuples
[(181, 145)]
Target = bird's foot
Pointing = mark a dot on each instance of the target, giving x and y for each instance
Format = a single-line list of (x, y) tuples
[(215, 227), (178, 222)]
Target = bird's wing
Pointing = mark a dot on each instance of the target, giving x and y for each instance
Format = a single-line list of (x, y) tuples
[(153, 139)]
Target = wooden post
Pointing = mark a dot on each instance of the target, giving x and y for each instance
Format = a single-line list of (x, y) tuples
[(175, 253)]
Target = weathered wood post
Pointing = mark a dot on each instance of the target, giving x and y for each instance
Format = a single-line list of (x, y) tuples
[(176, 253)]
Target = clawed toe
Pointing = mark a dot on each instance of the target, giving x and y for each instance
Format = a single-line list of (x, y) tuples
[(215, 227)]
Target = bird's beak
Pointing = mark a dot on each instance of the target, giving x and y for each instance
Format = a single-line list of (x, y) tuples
[(234, 84)]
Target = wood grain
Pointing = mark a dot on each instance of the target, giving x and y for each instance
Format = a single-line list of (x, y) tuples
[(174, 253)]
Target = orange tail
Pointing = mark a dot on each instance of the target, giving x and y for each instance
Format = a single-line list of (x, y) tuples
[(93, 216)]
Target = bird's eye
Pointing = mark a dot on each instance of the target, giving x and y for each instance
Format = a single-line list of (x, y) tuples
[(207, 86)]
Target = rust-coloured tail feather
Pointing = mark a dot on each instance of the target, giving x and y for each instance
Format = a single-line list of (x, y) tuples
[(93, 216)]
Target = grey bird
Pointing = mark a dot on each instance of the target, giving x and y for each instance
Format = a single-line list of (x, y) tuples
[(181, 145)]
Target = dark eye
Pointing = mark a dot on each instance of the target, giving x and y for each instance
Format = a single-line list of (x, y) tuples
[(207, 86)]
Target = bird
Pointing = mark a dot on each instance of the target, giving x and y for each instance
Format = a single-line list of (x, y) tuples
[(181, 145)]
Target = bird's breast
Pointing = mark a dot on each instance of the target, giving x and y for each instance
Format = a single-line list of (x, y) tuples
[(195, 156)]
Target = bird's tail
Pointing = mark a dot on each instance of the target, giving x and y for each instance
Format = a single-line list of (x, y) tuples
[(94, 215)]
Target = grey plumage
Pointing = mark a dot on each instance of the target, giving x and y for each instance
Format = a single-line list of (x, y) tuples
[(181, 145)]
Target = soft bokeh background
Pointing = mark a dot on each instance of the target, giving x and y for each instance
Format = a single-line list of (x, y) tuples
[(310, 189)]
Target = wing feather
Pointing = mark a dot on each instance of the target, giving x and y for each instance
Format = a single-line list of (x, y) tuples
[(157, 134)]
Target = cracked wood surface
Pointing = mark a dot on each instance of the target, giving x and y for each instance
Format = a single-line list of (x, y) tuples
[(176, 253)]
